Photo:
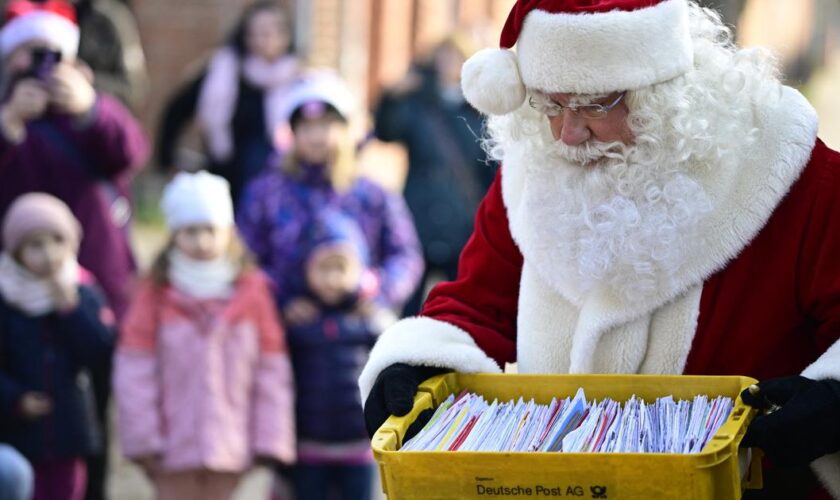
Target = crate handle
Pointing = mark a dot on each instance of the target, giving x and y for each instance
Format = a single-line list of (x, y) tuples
[(399, 425), (436, 387)]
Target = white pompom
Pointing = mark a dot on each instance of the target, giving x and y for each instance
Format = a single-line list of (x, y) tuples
[(491, 82)]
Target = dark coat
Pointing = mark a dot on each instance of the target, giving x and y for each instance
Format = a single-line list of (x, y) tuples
[(53, 354), (252, 148), (448, 173), (328, 356), (89, 167), (110, 45)]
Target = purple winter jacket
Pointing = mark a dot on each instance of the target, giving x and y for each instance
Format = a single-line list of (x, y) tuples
[(89, 167)]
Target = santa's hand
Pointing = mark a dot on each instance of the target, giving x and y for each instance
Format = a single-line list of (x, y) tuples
[(803, 419), (393, 394)]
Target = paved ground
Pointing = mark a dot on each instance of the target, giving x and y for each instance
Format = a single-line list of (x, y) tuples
[(127, 482)]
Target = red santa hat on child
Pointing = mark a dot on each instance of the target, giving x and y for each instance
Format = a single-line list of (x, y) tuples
[(53, 21), (581, 47)]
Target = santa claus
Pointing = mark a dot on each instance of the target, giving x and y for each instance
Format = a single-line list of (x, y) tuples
[(664, 207)]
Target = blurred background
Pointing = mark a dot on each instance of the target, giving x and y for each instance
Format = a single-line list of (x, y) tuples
[(374, 43), (148, 51)]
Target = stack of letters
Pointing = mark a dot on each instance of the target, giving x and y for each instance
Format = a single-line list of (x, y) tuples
[(469, 423)]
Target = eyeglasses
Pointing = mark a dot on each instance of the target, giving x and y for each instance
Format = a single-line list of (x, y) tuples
[(589, 111)]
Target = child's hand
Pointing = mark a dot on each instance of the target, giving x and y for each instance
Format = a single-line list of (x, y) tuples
[(150, 464), (300, 311), (34, 405), (65, 297)]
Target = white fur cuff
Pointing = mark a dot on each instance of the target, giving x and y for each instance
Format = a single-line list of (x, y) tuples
[(827, 468), (428, 342)]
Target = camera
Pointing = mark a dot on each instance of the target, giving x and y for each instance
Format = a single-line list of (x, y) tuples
[(43, 62)]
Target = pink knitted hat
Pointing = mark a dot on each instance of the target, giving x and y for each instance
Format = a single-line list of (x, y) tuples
[(38, 211)]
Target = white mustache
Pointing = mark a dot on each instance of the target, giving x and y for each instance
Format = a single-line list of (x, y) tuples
[(587, 153)]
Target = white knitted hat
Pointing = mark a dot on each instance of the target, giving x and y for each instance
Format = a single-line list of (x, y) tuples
[(197, 198)]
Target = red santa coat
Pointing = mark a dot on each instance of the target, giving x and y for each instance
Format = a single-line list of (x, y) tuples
[(759, 297)]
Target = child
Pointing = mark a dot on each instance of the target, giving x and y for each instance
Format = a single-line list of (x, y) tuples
[(54, 330), (320, 172), (281, 206), (328, 354), (202, 377)]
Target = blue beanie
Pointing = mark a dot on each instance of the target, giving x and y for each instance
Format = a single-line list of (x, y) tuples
[(332, 226)]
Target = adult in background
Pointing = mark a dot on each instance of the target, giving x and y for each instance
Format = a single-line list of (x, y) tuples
[(59, 136), (238, 98), (110, 44), (448, 172), (664, 207)]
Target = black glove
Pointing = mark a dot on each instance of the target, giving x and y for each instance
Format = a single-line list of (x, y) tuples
[(803, 423), (393, 394)]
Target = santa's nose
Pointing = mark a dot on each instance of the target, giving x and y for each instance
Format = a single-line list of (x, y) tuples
[(569, 128)]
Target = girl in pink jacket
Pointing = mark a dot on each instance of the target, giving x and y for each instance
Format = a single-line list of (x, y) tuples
[(202, 378)]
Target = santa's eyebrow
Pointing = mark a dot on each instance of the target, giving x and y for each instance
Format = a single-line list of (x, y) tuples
[(589, 99), (575, 100)]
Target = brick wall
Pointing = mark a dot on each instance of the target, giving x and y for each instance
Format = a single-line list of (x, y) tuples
[(177, 36), (370, 41)]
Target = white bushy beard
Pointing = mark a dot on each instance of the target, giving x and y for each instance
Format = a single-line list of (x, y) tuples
[(629, 218), (609, 215)]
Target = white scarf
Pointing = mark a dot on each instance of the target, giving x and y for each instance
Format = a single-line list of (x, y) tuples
[(202, 279), (28, 292), (220, 91)]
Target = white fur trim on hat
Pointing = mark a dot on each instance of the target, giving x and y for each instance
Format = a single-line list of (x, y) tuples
[(197, 198), (605, 52), (46, 26), (491, 82)]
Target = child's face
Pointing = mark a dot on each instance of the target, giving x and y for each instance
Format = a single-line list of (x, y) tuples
[(203, 242), (333, 272), (43, 253), (317, 139)]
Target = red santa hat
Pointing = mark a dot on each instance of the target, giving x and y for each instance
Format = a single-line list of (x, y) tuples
[(52, 21), (581, 47)]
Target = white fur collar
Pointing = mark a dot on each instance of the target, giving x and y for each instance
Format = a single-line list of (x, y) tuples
[(743, 201)]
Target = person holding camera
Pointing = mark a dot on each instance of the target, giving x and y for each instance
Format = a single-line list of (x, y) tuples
[(59, 136)]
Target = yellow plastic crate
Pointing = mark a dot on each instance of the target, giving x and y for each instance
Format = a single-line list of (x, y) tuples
[(715, 473)]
